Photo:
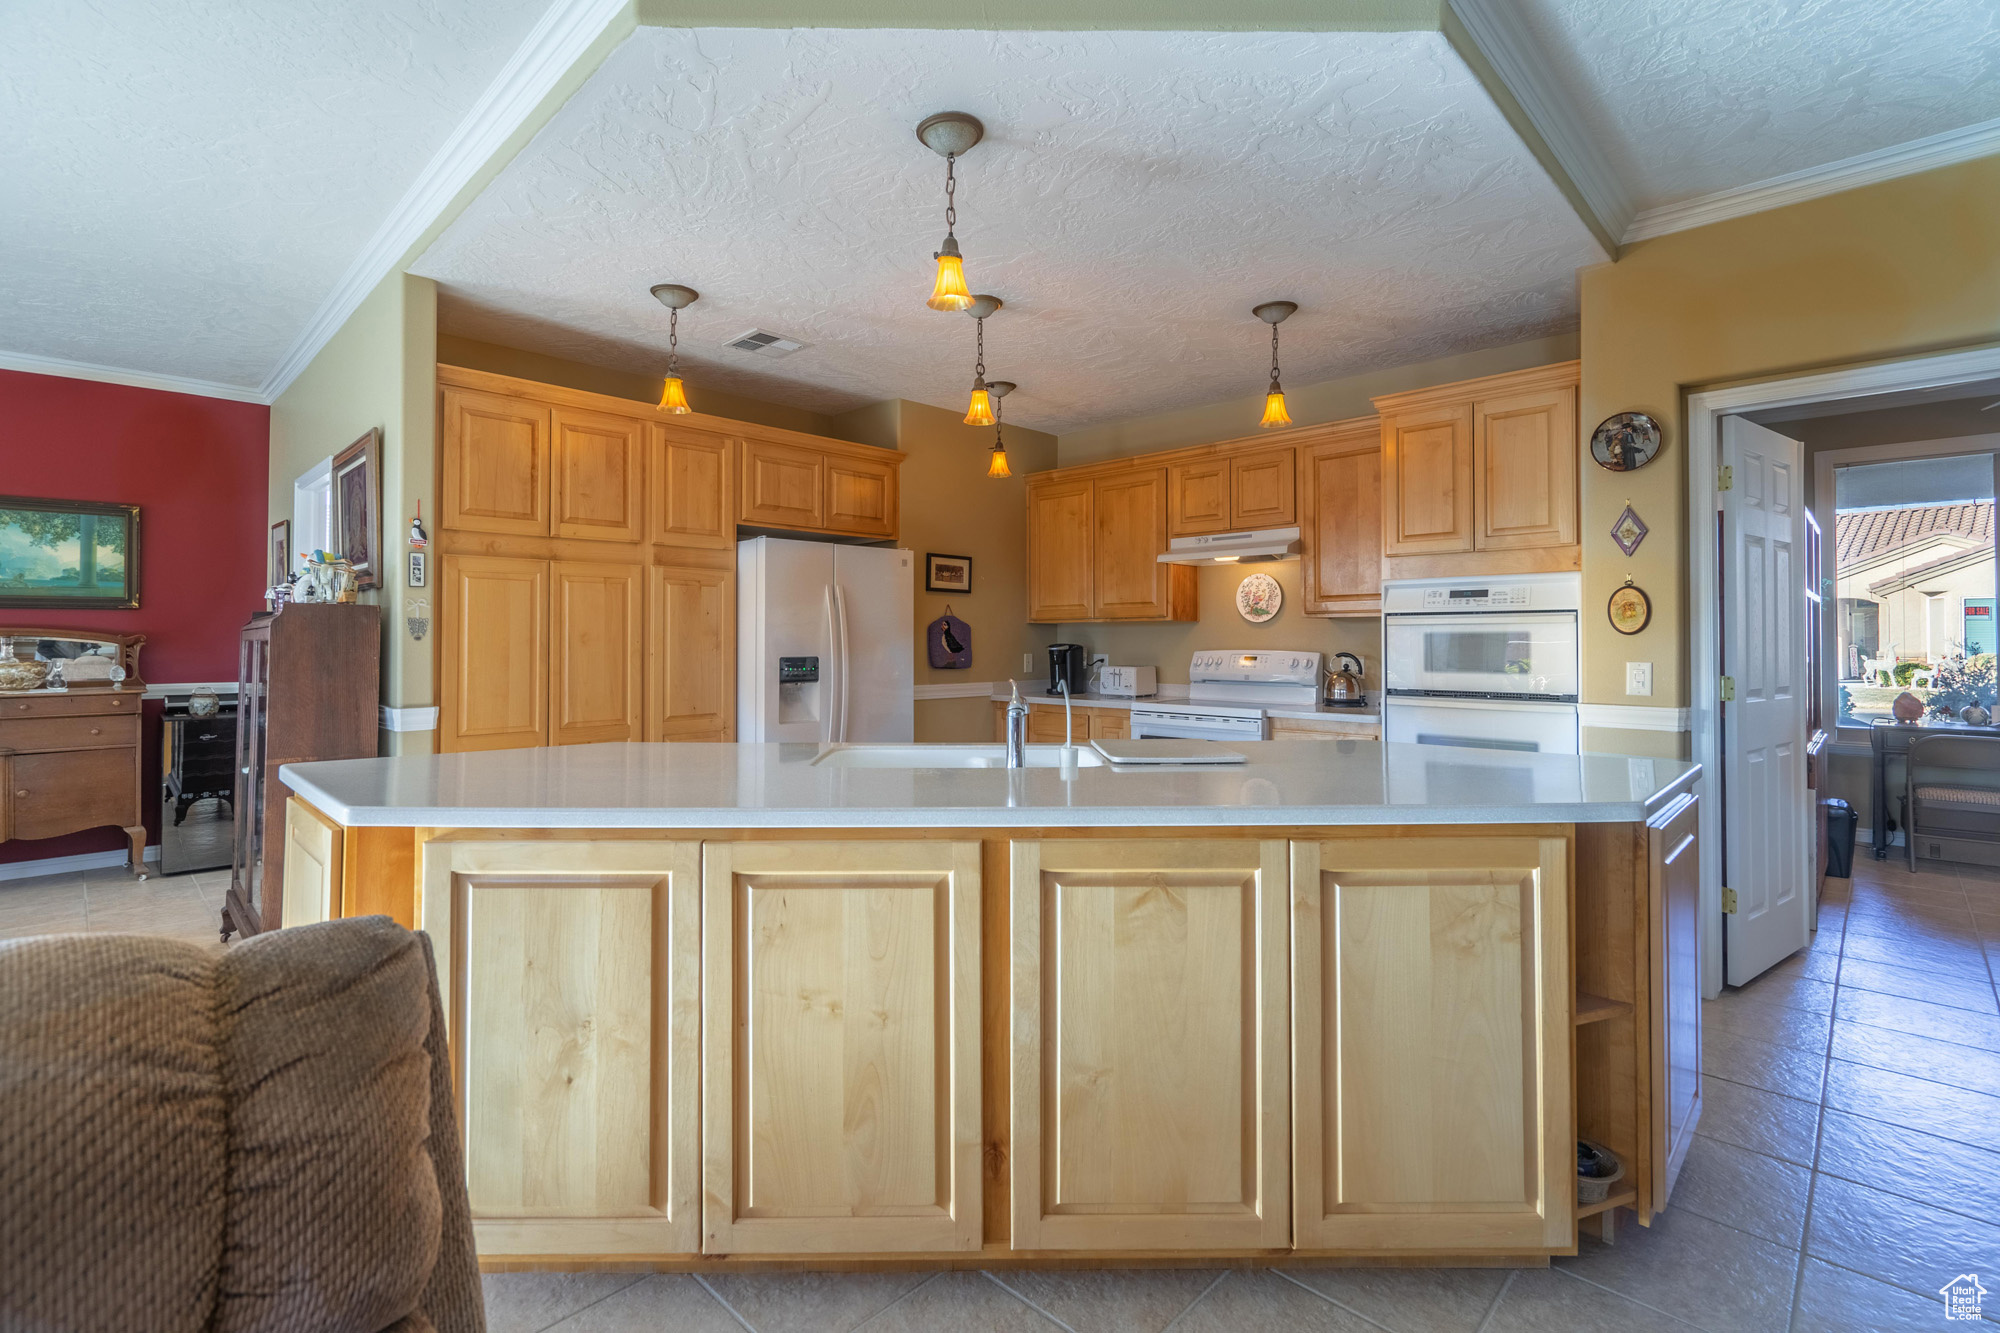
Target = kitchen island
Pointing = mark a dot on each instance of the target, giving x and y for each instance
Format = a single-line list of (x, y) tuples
[(717, 1006)]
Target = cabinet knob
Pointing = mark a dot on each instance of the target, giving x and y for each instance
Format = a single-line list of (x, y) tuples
[(22, 792), (22, 707), (97, 731)]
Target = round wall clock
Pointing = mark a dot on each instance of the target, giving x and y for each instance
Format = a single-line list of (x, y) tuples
[(1625, 442), (1630, 609), (1258, 598)]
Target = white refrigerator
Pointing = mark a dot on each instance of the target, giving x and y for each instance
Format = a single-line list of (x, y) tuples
[(824, 644)]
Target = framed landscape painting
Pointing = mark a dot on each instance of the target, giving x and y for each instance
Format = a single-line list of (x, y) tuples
[(357, 507), (73, 553)]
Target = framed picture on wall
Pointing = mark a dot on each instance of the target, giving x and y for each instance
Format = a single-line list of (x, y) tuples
[(947, 573), (357, 507), (281, 552), (74, 553)]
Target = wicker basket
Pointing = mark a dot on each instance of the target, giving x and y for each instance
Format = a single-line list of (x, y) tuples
[(1595, 1189)]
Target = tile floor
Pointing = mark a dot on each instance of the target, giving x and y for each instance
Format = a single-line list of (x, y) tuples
[(1847, 1166)]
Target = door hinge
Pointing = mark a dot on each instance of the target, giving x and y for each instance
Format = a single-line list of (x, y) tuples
[(1728, 901), (1725, 479), (1729, 689)]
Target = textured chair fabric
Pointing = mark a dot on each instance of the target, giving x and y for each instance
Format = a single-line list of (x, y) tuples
[(240, 1141), (1952, 791)]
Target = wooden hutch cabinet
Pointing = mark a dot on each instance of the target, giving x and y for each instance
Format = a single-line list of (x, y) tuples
[(307, 688)]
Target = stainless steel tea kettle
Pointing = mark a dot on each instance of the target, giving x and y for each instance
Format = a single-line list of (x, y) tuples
[(1343, 680)]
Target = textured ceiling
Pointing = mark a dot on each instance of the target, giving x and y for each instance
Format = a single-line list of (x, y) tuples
[(183, 182), (1137, 193), (1689, 97)]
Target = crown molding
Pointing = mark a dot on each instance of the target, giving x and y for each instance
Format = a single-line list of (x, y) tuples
[(85, 370), (1884, 164), (1517, 62), (563, 37)]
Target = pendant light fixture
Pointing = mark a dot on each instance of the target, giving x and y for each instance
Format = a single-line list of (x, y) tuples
[(997, 465), (1274, 313), (676, 298), (980, 410), (950, 133)]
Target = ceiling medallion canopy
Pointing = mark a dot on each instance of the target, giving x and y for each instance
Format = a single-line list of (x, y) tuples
[(950, 133), (1275, 313), (996, 465), (676, 298), (980, 411)]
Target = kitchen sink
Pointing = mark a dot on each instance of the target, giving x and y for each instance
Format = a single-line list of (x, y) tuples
[(950, 756)]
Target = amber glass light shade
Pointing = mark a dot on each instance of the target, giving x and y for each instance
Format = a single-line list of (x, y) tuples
[(980, 413), (998, 466), (1274, 410), (673, 397), (950, 291)]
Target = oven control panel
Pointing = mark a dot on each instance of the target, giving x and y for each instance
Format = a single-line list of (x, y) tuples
[(1476, 599), (1262, 668)]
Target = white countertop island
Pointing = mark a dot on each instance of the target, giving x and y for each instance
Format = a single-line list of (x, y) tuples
[(718, 786)]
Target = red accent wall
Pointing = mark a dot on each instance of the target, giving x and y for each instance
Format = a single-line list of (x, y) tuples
[(197, 468)]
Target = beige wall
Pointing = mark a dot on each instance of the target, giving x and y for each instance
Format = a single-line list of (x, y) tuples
[(1898, 269), (380, 369), (1309, 404)]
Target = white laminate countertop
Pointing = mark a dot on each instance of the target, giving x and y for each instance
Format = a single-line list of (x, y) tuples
[(1177, 696), (718, 786)]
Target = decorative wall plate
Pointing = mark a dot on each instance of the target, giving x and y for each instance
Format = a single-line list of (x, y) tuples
[(1630, 609), (1629, 531), (1625, 442), (1258, 598)]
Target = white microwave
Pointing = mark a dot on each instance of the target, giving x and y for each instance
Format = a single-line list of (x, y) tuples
[(1512, 639)]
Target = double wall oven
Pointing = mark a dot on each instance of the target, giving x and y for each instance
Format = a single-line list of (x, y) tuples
[(1488, 663)]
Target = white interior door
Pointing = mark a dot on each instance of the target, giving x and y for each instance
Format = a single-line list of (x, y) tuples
[(1767, 810)]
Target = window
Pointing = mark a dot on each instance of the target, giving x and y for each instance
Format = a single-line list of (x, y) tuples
[(312, 511), (1913, 596)]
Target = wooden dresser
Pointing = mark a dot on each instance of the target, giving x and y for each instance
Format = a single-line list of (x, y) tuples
[(69, 758)]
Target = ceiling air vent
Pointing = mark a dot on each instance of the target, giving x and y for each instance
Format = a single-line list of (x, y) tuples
[(765, 344)]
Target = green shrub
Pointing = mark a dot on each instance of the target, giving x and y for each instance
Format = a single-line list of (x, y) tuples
[(1960, 681), (1905, 670)]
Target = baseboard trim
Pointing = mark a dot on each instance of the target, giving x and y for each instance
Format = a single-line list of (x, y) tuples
[(56, 865)]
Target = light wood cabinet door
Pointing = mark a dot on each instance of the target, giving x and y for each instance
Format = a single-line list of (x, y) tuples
[(1198, 497), (860, 496), (782, 486), (598, 648), (841, 1047), (1263, 489), (1130, 531), (1674, 873), (1110, 724), (1340, 514), (1149, 1048), (691, 657), (493, 670), (1431, 1044), (494, 465), (575, 1035), (1525, 446), (598, 469), (312, 866), (1046, 725), (1427, 500), (691, 488), (1060, 567)]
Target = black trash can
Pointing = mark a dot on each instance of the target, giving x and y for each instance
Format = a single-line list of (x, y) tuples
[(1840, 822)]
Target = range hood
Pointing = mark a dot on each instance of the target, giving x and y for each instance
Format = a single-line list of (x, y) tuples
[(1228, 548)]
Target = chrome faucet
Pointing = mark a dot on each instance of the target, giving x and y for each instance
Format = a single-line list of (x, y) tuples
[(1017, 730)]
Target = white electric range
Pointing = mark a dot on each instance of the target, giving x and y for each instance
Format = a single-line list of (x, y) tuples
[(1228, 693)]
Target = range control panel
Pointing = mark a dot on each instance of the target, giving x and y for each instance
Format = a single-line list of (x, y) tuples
[(1277, 668)]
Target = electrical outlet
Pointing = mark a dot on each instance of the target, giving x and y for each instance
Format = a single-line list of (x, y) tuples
[(1099, 661), (1028, 663), (1639, 678)]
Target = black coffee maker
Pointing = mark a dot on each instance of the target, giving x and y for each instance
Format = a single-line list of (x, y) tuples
[(1069, 662)]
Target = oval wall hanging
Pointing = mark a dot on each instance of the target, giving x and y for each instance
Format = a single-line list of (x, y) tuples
[(1625, 442), (1630, 609), (1258, 598)]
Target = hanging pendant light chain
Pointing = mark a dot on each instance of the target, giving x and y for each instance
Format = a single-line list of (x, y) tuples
[(673, 343), (1274, 358), (979, 361), (950, 189)]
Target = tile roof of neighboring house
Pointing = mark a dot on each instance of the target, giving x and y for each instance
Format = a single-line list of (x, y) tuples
[(1868, 534)]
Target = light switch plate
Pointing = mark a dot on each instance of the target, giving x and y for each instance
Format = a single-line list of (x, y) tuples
[(1639, 678), (1028, 663)]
